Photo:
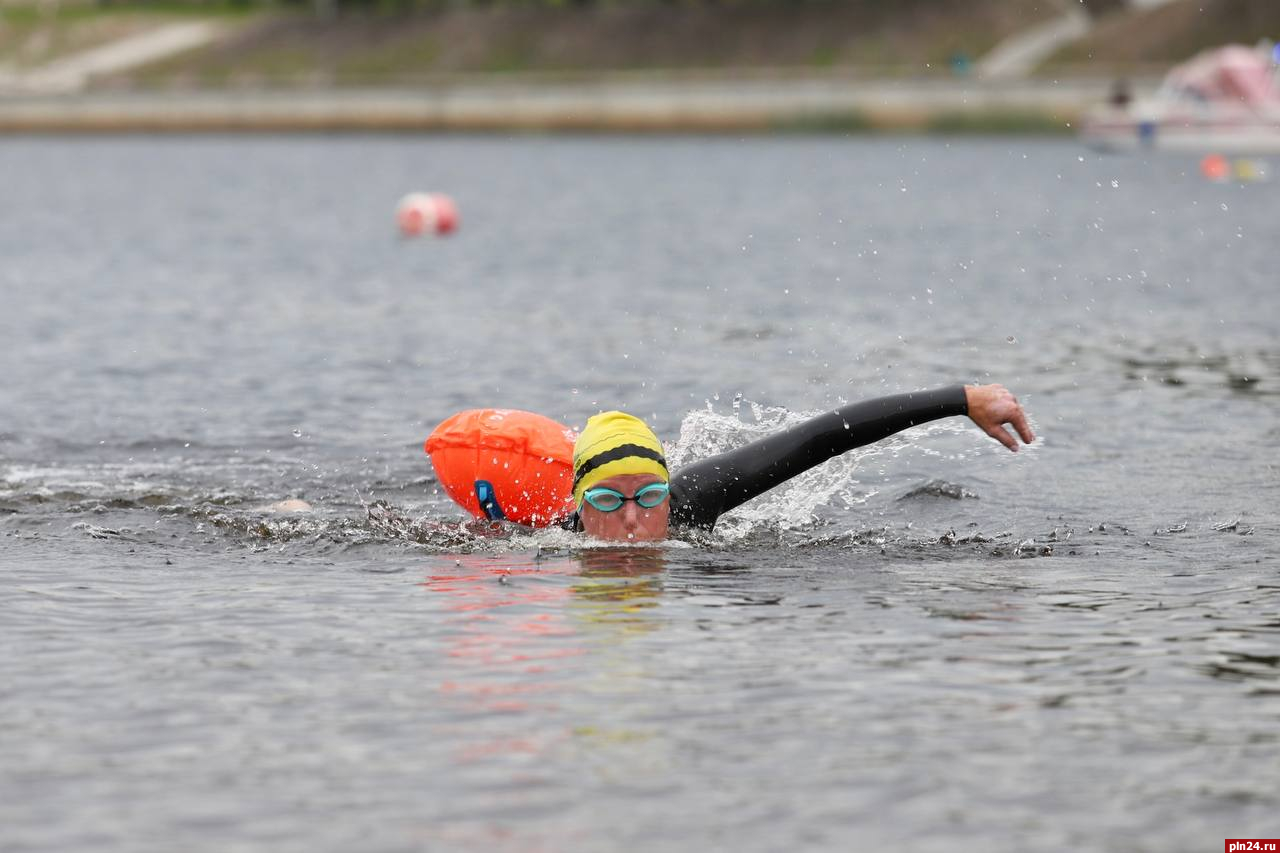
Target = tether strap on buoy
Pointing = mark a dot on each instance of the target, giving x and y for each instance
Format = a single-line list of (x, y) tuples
[(489, 501)]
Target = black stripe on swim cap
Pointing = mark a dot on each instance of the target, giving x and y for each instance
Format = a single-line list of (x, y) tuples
[(622, 451)]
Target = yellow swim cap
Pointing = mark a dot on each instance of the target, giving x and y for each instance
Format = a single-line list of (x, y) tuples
[(614, 443)]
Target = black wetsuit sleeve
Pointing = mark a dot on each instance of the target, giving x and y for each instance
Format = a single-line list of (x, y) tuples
[(701, 492)]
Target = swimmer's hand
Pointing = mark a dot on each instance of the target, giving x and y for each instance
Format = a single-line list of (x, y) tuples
[(991, 407)]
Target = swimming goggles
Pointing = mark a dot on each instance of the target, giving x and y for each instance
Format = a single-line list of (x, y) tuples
[(609, 500)]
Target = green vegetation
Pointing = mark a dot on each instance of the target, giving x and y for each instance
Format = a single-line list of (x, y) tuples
[(358, 42), (26, 13), (851, 121), (998, 121), (977, 122), (361, 42)]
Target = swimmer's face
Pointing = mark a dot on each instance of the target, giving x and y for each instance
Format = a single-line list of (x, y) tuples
[(631, 523)]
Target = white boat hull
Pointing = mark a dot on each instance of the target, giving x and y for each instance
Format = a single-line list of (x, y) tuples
[(1127, 133)]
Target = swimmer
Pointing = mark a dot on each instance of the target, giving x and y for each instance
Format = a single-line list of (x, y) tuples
[(624, 493)]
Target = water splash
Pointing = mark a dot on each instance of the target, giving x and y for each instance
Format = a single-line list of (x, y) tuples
[(796, 505)]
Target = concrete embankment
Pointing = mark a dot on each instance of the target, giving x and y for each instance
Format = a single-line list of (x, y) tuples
[(617, 103)]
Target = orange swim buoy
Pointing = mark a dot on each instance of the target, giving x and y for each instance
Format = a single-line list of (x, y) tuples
[(505, 463), (1215, 167)]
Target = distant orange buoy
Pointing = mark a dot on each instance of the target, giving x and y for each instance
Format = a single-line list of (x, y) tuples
[(504, 463), (426, 213), (1215, 167)]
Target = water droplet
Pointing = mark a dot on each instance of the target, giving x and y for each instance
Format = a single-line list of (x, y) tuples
[(1224, 206), (573, 390), (1011, 339), (1115, 184), (297, 433)]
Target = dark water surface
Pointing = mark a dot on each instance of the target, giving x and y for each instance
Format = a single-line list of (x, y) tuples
[(930, 644)]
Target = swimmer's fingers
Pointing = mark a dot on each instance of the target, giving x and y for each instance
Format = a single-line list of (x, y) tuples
[(1000, 435), (1019, 421)]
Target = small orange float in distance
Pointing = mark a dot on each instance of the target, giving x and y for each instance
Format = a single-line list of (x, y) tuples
[(1215, 167)]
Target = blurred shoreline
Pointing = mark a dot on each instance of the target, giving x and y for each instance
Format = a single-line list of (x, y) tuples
[(619, 102), (976, 66)]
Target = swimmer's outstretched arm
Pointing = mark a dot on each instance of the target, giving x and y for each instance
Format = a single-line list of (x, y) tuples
[(704, 490)]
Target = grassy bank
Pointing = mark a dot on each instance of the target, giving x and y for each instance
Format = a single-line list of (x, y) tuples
[(381, 45), (463, 62), (1127, 43), (907, 38), (32, 35)]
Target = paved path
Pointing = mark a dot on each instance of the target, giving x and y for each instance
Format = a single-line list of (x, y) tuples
[(619, 103), (1019, 54), (71, 73)]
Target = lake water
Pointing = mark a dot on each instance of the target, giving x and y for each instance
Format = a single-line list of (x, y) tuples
[(931, 643)]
